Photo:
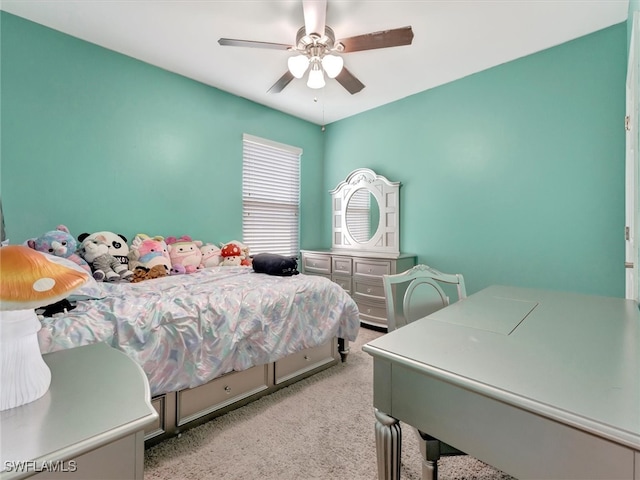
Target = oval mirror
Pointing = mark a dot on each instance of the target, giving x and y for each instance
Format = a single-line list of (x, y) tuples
[(362, 215)]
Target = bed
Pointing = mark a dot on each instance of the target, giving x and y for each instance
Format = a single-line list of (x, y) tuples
[(214, 339)]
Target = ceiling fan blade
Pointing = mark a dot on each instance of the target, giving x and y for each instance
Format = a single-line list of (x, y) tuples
[(282, 82), (383, 39), (349, 81), (315, 14), (231, 42)]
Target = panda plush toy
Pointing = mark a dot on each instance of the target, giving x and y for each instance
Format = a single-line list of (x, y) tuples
[(117, 244), (105, 267)]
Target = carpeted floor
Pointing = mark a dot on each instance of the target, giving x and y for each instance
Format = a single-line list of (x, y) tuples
[(319, 428)]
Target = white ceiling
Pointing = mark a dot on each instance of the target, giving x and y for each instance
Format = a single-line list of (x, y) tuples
[(453, 39)]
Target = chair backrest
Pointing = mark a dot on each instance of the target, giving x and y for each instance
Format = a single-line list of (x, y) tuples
[(417, 293)]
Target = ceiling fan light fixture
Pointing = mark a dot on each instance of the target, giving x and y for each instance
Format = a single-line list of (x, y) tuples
[(332, 65), (298, 65), (316, 45), (316, 77)]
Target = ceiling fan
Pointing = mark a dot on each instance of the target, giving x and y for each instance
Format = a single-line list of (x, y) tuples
[(319, 52)]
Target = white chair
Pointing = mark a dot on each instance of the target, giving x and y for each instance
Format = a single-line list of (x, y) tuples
[(411, 295)]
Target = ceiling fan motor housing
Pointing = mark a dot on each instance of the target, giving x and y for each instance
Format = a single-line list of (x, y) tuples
[(314, 45)]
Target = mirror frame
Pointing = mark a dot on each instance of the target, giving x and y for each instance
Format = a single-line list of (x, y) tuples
[(386, 239)]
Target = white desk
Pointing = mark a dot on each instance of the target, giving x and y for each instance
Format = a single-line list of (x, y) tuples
[(89, 425), (540, 384)]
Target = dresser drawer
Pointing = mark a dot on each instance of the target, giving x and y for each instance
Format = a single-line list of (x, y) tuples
[(303, 361), (372, 314), (220, 392), (372, 290), (341, 265), (344, 282), (373, 268), (316, 264)]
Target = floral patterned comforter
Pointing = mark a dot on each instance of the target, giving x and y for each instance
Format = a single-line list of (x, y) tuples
[(188, 329)]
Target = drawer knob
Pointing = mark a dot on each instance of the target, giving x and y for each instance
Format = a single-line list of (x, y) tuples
[(368, 290), (370, 270), (306, 357), (227, 389)]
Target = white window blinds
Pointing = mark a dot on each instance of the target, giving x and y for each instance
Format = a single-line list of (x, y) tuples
[(270, 196)]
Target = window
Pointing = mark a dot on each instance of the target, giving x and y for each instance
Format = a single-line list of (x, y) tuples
[(270, 196)]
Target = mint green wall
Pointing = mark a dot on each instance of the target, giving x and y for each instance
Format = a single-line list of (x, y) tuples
[(514, 175), (99, 141)]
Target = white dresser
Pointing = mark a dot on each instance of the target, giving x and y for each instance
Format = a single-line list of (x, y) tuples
[(360, 274)]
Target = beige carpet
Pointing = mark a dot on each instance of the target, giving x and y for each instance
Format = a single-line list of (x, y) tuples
[(319, 428)]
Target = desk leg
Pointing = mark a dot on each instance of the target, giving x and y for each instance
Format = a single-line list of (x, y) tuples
[(430, 450), (388, 446)]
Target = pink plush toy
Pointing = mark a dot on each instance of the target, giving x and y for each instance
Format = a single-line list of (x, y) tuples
[(184, 251), (210, 256), (148, 252)]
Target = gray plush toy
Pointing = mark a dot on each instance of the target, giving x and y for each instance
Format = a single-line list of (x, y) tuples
[(103, 265)]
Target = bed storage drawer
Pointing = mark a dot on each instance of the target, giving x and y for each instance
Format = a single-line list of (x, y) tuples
[(220, 392), (316, 264), (157, 427), (304, 361)]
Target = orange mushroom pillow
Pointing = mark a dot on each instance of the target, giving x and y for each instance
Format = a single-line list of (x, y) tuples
[(31, 279)]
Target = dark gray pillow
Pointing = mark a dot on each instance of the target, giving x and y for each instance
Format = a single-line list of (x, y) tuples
[(274, 264)]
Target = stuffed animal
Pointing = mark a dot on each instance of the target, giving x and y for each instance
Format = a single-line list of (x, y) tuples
[(210, 256), (117, 244), (59, 242), (141, 273), (184, 238), (148, 252), (231, 255), (246, 259), (177, 270), (185, 252), (104, 265), (55, 309)]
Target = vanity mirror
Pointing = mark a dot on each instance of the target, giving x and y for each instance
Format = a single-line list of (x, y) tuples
[(366, 215)]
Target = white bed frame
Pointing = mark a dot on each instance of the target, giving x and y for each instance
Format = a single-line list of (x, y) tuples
[(184, 409)]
